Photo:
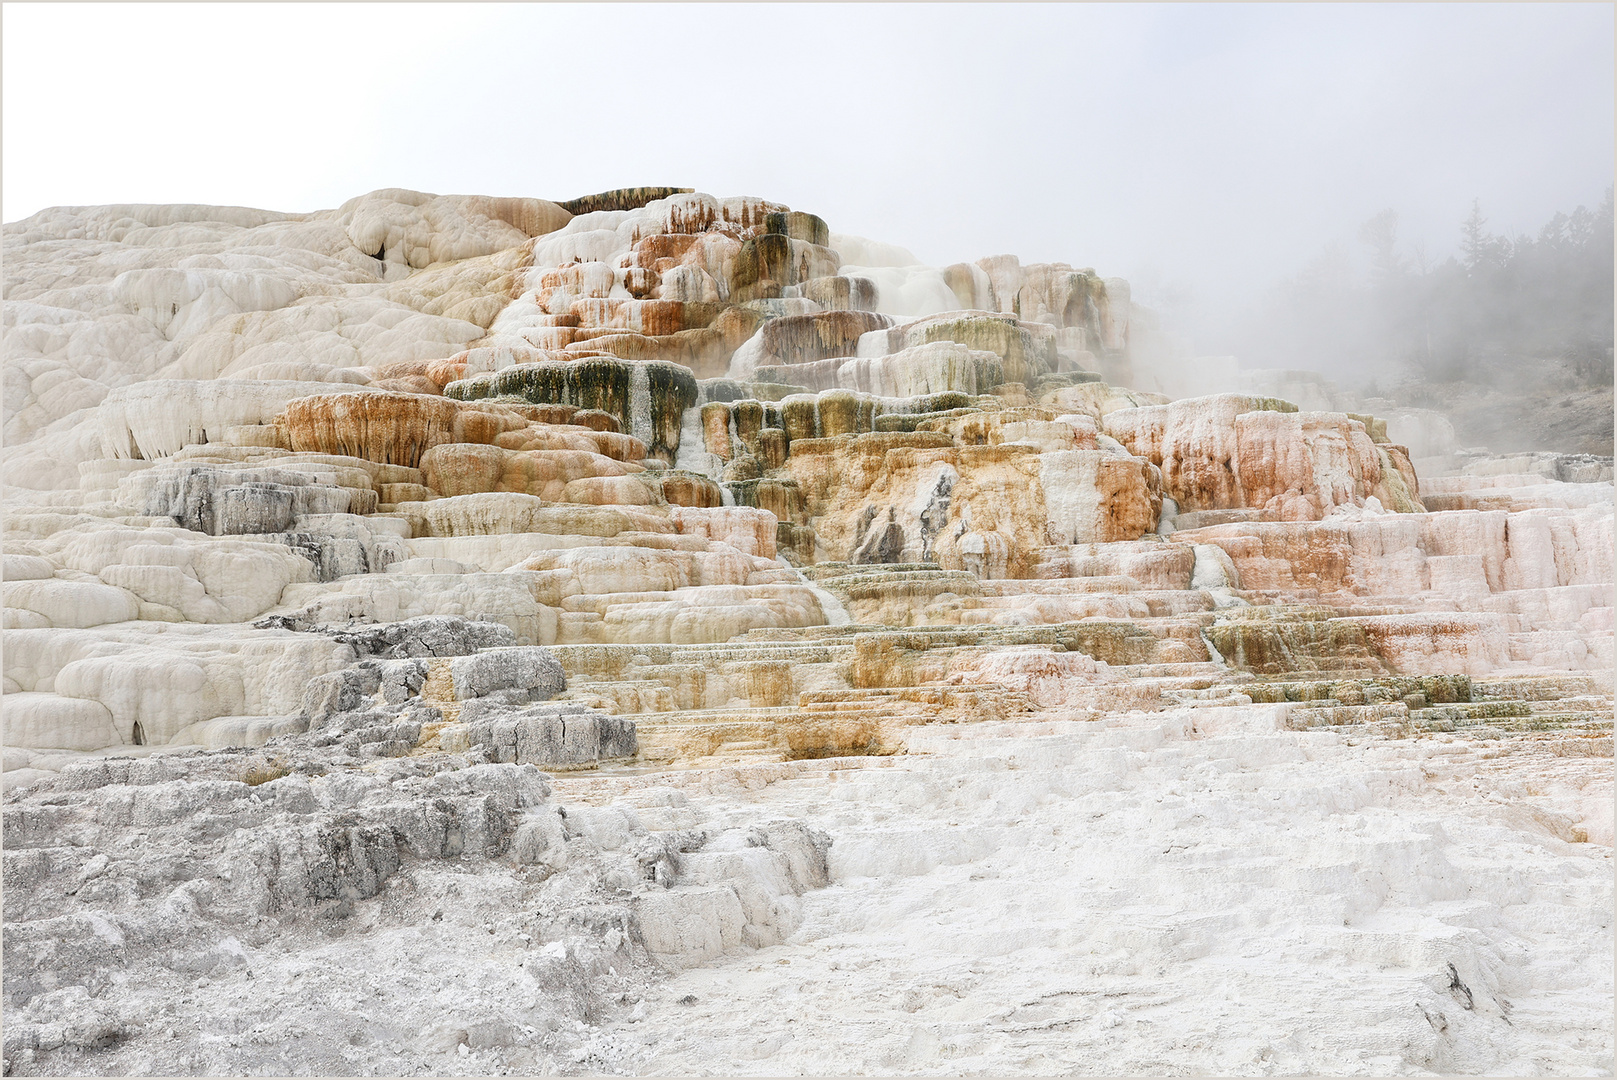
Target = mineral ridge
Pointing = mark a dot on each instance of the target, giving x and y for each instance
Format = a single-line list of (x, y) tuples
[(656, 633)]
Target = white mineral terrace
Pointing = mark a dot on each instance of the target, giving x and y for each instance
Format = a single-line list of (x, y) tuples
[(657, 634)]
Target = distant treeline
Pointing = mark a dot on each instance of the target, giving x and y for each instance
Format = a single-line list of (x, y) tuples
[(1502, 309), (1502, 301)]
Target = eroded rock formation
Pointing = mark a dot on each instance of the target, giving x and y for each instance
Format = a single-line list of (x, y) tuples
[(329, 531)]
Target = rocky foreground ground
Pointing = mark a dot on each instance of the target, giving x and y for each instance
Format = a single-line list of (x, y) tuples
[(656, 634)]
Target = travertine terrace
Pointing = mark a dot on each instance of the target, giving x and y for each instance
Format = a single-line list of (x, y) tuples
[(656, 633)]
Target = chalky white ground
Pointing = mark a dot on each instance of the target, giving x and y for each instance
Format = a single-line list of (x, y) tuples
[(1170, 894), (1175, 892)]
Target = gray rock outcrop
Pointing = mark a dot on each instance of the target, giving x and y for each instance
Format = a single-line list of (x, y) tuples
[(270, 889)]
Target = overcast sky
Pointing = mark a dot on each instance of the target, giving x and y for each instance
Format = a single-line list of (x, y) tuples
[(1201, 150)]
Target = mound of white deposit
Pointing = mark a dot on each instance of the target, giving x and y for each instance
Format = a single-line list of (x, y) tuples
[(656, 633)]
